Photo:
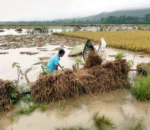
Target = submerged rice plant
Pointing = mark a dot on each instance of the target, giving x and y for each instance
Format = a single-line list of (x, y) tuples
[(102, 122)]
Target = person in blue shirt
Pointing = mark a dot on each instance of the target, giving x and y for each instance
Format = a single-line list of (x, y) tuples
[(53, 63)]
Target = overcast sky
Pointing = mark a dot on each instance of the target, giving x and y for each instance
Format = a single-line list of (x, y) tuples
[(12, 10)]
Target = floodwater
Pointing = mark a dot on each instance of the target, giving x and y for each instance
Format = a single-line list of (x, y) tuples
[(12, 32), (137, 58), (129, 55), (51, 30), (29, 61), (118, 105), (59, 29)]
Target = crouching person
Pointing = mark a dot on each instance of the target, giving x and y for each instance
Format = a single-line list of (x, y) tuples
[(53, 63)]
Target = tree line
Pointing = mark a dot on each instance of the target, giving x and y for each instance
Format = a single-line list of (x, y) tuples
[(126, 20), (108, 20)]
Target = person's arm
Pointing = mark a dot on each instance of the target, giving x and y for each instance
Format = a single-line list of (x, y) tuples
[(56, 67), (60, 66)]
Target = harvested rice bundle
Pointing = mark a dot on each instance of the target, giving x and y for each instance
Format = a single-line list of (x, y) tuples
[(55, 87), (144, 69), (66, 84), (109, 76), (93, 60), (8, 95)]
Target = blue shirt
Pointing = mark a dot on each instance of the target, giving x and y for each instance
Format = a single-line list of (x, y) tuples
[(53, 62)]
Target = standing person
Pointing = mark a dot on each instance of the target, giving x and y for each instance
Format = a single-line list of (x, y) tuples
[(53, 63), (102, 49), (102, 45)]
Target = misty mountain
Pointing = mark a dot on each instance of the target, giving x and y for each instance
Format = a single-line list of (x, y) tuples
[(98, 17)]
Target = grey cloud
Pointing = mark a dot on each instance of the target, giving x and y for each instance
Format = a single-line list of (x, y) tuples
[(55, 9)]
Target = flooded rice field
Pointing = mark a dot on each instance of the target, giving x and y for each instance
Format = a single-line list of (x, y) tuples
[(29, 61), (118, 105), (31, 30), (34, 31), (34, 56)]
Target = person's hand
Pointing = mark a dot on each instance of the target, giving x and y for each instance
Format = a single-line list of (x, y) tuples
[(62, 67)]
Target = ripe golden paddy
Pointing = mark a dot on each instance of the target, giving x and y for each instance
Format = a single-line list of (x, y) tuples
[(138, 41)]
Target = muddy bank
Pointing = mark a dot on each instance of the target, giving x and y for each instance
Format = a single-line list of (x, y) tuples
[(12, 42)]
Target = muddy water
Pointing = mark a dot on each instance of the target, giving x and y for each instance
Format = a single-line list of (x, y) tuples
[(28, 61), (50, 30), (12, 32), (118, 105), (137, 58), (129, 55)]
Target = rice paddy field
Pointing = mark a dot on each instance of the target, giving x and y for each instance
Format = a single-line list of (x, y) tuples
[(104, 95), (138, 41)]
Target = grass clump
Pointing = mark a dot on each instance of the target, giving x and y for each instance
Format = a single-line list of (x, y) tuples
[(141, 88), (44, 70), (120, 55), (12, 120), (14, 97), (102, 122), (27, 98)]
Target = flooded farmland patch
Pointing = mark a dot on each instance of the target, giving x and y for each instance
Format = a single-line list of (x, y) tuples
[(117, 105)]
